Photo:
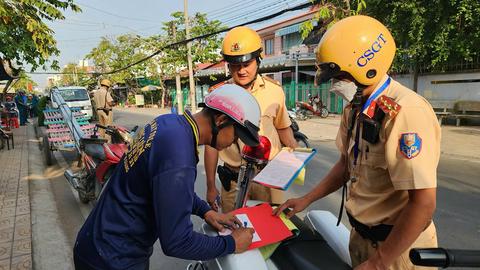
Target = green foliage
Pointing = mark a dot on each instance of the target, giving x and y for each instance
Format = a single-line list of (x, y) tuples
[(42, 105), (433, 35), (24, 36), (203, 51), (76, 76), (330, 12), (113, 54), (23, 82)]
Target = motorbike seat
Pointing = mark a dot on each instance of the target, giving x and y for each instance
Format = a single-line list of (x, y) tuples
[(95, 150), (307, 251)]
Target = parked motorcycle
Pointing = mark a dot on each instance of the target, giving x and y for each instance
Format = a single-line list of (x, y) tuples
[(302, 139), (98, 160), (314, 107), (319, 244)]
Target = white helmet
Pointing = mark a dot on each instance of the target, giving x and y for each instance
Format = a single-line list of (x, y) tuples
[(238, 104)]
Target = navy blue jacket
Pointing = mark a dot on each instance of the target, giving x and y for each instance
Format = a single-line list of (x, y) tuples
[(151, 195)]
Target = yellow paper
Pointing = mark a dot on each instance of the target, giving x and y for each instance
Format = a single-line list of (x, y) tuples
[(268, 250), (300, 180)]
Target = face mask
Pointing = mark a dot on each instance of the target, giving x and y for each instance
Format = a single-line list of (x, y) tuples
[(344, 89)]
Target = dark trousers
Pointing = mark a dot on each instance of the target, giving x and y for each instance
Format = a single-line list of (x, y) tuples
[(81, 265), (23, 115)]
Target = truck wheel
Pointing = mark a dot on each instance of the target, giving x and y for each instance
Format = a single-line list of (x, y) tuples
[(47, 153)]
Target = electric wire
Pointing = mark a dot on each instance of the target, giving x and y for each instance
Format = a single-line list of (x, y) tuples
[(185, 41)]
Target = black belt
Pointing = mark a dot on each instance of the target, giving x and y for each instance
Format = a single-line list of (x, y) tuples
[(377, 233)]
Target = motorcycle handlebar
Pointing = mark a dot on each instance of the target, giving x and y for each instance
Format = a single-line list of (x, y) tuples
[(101, 126), (440, 257)]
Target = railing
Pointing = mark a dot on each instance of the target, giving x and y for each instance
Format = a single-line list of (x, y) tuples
[(333, 102)]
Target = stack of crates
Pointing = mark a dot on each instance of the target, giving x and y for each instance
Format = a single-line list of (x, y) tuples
[(59, 135)]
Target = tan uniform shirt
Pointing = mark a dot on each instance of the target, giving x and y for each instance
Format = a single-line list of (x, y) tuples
[(405, 158), (274, 115), (102, 97)]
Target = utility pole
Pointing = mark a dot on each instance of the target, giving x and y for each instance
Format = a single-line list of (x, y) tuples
[(193, 102), (179, 95), (296, 55), (75, 74)]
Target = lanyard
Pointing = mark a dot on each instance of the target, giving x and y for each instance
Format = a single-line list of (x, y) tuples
[(372, 97), (377, 93)]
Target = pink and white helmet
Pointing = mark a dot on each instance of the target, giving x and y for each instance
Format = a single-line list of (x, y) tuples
[(240, 106)]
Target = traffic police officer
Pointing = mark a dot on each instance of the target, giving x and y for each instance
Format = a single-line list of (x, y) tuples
[(242, 50), (104, 103), (389, 140)]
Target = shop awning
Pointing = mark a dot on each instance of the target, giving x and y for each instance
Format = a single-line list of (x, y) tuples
[(290, 29)]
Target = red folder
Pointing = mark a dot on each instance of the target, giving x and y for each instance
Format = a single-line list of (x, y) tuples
[(269, 228)]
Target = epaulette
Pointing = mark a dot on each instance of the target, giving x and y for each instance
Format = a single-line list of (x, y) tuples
[(272, 80), (388, 106), (213, 87)]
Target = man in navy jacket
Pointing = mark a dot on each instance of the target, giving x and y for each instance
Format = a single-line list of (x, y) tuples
[(151, 194)]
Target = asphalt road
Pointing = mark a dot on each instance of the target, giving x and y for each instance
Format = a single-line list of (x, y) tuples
[(458, 197)]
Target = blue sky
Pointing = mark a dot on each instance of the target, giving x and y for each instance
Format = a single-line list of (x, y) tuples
[(80, 32)]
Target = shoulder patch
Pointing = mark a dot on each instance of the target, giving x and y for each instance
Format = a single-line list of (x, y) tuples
[(272, 80), (410, 145), (215, 86), (388, 106)]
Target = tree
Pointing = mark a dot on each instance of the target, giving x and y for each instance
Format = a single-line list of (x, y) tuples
[(431, 35), (330, 12), (203, 51), (75, 75), (114, 54), (24, 36), (24, 83), (434, 35)]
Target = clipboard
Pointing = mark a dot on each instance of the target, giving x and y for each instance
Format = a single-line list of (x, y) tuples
[(284, 168)]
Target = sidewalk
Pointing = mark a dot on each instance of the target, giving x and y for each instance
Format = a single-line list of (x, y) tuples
[(457, 142), (15, 220)]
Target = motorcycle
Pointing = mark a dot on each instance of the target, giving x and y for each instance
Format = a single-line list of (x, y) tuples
[(98, 161), (319, 244), (314, 107), (302, 139)]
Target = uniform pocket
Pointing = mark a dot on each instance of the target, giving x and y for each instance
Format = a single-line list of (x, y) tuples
[(375, 171)]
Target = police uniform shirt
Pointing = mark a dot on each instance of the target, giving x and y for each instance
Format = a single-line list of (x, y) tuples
[(102, 97), (405, 157), (271, 98)]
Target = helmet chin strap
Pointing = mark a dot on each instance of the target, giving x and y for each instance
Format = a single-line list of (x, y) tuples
[(215, 129), (357, 100)]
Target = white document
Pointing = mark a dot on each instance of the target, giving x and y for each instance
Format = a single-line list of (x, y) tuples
[(245, 223), (281, 170)]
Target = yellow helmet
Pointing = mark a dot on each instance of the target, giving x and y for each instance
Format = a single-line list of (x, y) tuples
[(358, 45), (106, 82), (241, 44)]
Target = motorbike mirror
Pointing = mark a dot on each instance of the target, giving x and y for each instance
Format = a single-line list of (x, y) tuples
[(258, 154)]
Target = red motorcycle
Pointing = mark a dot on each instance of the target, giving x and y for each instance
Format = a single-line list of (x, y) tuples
[(98, 160), (314, 107)]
